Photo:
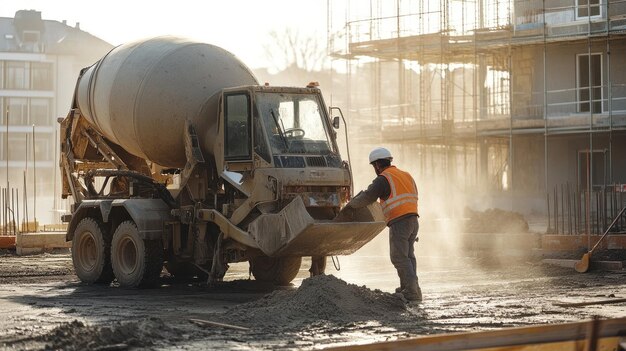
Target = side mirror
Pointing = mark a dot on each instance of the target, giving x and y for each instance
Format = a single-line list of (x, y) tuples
[(336, 122)]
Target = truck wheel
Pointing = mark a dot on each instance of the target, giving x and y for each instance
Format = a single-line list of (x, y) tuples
[(276, 270), (136, 262), (91, 252)]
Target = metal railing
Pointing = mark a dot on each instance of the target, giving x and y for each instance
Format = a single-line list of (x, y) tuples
[(575, 211), (10, 216)]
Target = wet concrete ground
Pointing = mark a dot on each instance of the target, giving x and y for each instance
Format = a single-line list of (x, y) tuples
[(40, 293)]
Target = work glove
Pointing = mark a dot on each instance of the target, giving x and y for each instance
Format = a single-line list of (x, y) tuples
[(346, 214)]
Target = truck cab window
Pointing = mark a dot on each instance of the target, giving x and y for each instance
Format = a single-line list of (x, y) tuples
[(260, 146), (295, 123), (237, 127)]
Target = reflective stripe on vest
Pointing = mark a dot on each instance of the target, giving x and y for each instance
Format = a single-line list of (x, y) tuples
[(403, 195)]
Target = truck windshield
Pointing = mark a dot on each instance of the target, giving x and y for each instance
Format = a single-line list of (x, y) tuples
[(294, 123)]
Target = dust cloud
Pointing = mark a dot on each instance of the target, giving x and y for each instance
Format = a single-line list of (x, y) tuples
[(454, 229)]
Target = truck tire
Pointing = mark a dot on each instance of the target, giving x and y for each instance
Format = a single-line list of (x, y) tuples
[(91, 252), (137, 263), (276, 270)]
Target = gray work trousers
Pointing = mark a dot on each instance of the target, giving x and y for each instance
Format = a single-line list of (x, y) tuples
[(402, 235)]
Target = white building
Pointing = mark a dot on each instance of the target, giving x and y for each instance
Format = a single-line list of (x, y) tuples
[(39, 64)]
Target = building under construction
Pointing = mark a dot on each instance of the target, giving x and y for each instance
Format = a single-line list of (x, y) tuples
[(522, 100)]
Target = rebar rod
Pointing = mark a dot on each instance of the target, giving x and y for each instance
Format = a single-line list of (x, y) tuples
[(597, 212), (17, 208), (556, 212), (569, 211), (13, 210), (34, 182), (25, 229), (604, 212), (4, 210), (576, 216), (548, 205), (562, 210)]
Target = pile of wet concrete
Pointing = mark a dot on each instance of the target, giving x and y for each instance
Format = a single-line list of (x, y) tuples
[(117, 336), (319, 301), (322, 298)]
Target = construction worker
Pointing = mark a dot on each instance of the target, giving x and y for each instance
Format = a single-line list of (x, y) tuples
[(397, 192)]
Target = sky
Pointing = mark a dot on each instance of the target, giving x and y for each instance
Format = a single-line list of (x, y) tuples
[(239, 26)]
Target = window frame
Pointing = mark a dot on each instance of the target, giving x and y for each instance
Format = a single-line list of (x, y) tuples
[(589, 7), (10, 79), (238, 158), (579, 88), (35, 83)]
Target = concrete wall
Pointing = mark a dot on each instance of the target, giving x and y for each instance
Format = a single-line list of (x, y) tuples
[(564, 165), (528, 164), (527, 82), (617, 68)]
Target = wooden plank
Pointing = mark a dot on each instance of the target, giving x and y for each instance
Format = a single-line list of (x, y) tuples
[(589, 303), (205, 323), (507, 339), (551, 242), (600, 265), (7, 242)]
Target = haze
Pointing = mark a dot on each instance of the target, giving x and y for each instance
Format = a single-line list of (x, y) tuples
[(239, 26)]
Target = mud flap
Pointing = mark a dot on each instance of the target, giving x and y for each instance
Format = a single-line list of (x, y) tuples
[(293, 232)]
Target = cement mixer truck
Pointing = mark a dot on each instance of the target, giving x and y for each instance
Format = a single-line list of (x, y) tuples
[(175, 156)]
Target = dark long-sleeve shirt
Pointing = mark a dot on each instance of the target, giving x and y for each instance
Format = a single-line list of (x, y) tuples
[(378, 189)]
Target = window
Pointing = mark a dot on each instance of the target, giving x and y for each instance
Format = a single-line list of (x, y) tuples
[(294, 123), (40, 112), (237, 127), (589, 94), (22, 75), (21, 147), (41, 76), (594, 164), (30, 36), (27, 111), (16, 75), (17, 147), (18, 111), (43, 147), (588, 8), (260, 145)]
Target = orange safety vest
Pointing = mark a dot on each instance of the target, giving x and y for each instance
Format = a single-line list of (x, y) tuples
[(402, 198)]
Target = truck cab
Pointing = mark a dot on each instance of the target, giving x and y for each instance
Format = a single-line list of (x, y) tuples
[(283, 140)]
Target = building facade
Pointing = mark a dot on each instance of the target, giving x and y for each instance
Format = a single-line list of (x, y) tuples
[(514, 104), (39, 63)]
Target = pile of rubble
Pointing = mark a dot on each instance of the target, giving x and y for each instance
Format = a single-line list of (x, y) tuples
[(494, 221)]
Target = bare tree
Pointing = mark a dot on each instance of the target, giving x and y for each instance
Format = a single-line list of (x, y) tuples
[(291, 48)]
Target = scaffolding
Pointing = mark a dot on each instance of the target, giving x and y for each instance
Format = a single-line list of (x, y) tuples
[(491, 93)]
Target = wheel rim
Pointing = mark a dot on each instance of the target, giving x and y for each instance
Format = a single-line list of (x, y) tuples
[(127, 255), (87, 251)]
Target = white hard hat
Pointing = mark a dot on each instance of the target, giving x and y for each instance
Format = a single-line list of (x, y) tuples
[(380, 153)]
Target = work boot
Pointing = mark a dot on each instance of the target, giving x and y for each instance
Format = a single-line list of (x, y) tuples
[(412, 293)]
